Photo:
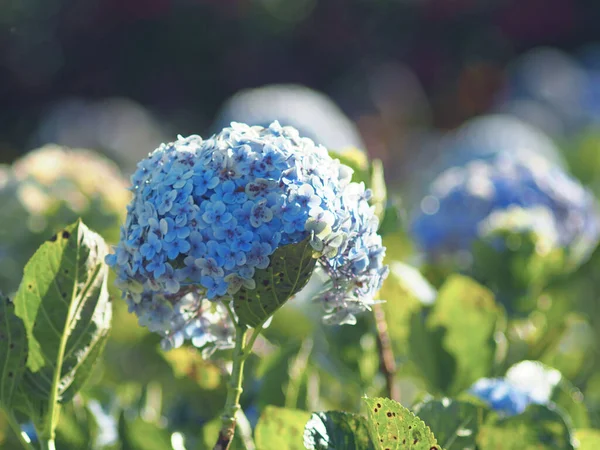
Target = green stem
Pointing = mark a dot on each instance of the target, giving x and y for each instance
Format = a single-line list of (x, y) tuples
[(241, 351), (16, 428), (234, 391)]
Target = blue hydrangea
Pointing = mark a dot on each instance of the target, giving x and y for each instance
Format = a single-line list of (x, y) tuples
[(312, 113), (207, 213), (501, 395), (485, 137), (481, 138), (510, 193)]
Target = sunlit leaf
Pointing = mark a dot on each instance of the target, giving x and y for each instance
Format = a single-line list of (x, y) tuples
[(64, 304), (394, 427), (467, 318), (280, 428), (589, 439)]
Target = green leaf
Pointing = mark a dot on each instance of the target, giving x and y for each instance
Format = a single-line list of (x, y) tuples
[(434, 363), (545, 384), (538, 428), (588, 439), (30, 403), (336, 430), (13, 351), (404, 291), (455, 423), (570, 352), (280, 428), (64, 304), (391, 221), (467, 318), (394, 427), (520, 270), (290, 269)]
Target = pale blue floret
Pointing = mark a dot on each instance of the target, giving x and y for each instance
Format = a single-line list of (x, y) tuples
[(207, 213), (501, 396)]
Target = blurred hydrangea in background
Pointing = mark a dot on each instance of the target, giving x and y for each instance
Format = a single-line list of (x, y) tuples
[(521, 193), (312, 113), (525, 383), (206, 214), (482, 138), (48, 188), (501, 395), (119, 127), (558, 93)]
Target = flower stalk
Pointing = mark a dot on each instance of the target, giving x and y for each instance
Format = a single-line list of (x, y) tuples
[(386, 353), (241, 352), (234, 391)]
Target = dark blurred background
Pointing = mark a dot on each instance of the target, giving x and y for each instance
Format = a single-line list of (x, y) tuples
[(112, 74)]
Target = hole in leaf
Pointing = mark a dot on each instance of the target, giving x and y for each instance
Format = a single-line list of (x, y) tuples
[(66, 234)]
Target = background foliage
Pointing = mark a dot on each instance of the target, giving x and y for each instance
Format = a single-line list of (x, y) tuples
[(122, 78)]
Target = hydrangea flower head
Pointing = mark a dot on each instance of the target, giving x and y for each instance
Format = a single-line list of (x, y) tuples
[(483, 138), (507, 193), (206, 214), (501, 395), (312, 113)]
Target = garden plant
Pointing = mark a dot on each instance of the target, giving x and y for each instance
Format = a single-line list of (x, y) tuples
[(255, 293)]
